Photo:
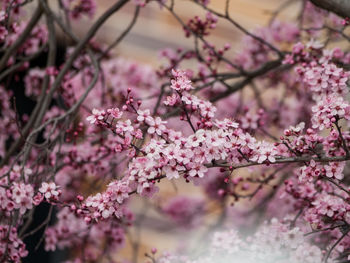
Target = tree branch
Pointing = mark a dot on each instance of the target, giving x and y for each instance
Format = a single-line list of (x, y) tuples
[(339, 7), (20, 40)]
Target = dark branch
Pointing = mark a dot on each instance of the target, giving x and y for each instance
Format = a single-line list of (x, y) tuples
[(339, 7)]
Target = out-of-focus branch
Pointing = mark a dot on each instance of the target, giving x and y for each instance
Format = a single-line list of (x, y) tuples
[(51, 58), (339, 7), (240, 27), (20, 40), (76, 105), (177, 17), (268, 66), (335, 244), (17, 66), (125, 32), (80, 46)]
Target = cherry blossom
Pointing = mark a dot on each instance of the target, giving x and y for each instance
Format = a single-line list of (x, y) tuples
[(156, 126), (335, 170), (96, 117), (49, 190), (327, 110), (181, 81)]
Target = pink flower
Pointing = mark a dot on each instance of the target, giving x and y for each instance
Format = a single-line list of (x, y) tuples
[(184, 156), (226, 124), (197, 170), (325, 79), (328, 205), (38, 198), (172, 170), (264, 151), (143, 115), (118, 190), (96, 117), (16, 249), (207, 109), (148, 190), (181, 81), (189, 99), (335, 169), (22, 195), (195, 139), (156, 126), (124, 126), (115, 113), (49, 190), (154, 148), (327, 109), (171, 100), (171, 151)]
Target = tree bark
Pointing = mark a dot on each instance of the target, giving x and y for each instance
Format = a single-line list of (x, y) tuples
[(339, 7)]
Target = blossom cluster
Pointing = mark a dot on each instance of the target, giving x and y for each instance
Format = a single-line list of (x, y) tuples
[(172, 155), (254, 53), (19, 196), (71, 230), (329, 110), (200, 27), (325, 79), (12, 248)]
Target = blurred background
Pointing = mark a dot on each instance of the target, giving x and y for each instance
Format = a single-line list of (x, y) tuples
[(157, 29)]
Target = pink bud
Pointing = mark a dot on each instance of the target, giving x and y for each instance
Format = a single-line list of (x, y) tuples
[(221, 192)]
